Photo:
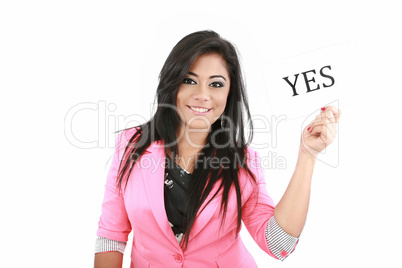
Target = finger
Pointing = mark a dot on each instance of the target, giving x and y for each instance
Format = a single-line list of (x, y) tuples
[(324, 122), (320, 119), (330, 115), (320, 131), (321, 123), (324, 134), (327, 112), (331, 127), (335, 111)]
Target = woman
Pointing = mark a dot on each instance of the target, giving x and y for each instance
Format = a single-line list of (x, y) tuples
[(184, 181)]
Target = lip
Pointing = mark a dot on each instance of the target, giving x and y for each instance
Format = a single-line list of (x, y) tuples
[(198, 113)]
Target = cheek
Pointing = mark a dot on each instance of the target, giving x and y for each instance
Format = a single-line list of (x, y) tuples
[(221, 105), (221, 101), (181, 104), (180, 97)]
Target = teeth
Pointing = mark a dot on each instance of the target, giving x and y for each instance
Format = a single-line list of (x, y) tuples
[(200, 110)]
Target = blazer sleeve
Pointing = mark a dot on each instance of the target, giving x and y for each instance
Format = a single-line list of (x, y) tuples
[(114, 223), (259, 207)]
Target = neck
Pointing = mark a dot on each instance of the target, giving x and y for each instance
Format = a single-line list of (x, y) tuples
[(190, 143), (191, 140)]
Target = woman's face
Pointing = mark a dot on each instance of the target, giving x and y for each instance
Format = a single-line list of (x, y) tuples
[(202, 96)]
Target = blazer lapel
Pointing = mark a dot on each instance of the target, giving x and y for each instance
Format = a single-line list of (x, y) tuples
[(207, 212), (153, 176)]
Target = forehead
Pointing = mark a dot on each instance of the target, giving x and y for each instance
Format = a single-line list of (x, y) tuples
[(211, 63)]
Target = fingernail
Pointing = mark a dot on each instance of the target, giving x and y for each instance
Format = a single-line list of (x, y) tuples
[(308, 128), (323, 108), (311, 130)]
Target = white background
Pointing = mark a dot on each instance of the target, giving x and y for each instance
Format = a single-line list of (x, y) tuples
[(55, 55)]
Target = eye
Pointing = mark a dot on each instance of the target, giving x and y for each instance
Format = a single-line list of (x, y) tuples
[(217, 84), (189, 81)]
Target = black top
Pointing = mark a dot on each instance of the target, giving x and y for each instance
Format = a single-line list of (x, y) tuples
[(176, 185)]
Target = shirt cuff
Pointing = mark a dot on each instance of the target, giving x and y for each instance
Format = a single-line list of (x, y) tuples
[(279, 242), (103, 244)]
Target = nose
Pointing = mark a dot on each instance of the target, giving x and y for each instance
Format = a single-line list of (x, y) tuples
[(202, 93)]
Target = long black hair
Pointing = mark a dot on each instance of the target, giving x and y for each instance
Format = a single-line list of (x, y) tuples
[(224, 140)]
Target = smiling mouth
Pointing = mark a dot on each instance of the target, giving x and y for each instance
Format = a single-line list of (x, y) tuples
[(199, 110)]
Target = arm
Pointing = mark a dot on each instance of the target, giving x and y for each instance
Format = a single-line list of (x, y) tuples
[(112, 259), (291, 211), (108, 252), (114, 225), (258, 217)]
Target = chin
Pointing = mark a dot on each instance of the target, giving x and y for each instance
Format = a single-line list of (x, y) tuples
[(199, 126)]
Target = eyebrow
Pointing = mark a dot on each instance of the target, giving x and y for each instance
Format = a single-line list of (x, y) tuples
[(212, 76)]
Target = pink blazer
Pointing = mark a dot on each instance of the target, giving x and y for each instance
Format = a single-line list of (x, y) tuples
[(141, 209)]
